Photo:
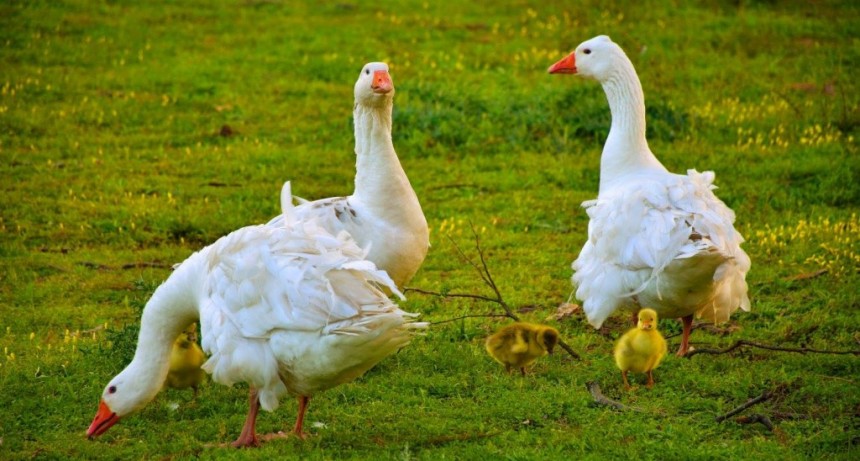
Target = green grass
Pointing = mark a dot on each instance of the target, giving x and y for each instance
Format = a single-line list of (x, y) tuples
[(110, 114)]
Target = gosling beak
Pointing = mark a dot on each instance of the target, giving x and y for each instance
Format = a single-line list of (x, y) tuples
[(381, 82), (104, 419), (567, 65)]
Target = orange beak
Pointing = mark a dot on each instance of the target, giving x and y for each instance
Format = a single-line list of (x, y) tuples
[(381, 82), (104, 419), (566, 66)]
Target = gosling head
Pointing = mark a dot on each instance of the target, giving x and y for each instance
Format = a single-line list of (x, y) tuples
[(647, 320), (548, 338)]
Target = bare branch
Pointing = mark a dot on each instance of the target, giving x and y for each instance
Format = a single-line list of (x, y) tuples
[(600, 399), (806, 276), (766, 395), (743, 342), (756, 418), (467, 317), (452, 295)]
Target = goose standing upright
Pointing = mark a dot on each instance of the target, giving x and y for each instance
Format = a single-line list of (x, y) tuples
[(383, 213), (655, 238), (287, 309)]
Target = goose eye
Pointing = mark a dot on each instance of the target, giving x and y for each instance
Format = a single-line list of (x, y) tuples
[(111, 389), (587, 51), (367, 71)]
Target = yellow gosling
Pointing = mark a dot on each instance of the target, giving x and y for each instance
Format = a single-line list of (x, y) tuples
[(641, 349), (185, 361), (520, 344)]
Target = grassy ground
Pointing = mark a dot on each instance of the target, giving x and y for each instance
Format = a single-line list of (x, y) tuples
[(113, 167)]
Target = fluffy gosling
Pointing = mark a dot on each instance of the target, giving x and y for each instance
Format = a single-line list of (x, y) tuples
[(520, 344), (185, 361), (641, 349)]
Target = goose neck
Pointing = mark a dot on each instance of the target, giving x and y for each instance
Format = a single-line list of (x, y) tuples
[(170, 309), (626, 147), (379, 175)]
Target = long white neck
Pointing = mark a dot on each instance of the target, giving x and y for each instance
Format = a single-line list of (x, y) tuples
[(626, 149), (171, 308), (380, 182)]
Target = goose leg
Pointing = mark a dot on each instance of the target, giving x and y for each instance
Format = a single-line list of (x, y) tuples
[(624, 377), (248, 437), (523, 370), (685, 337), (300, 418), (635, 318), (650, 379)]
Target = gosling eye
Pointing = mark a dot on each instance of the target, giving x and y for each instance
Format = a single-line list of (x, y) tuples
[(587, 51), (112, 390)]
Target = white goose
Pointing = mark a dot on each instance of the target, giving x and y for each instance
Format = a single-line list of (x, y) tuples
[(287, 309), (383, 213), (655, 239)]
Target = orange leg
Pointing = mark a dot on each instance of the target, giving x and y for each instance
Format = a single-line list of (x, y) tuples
[(523, 370), (300, 418), (248, 437), (650, 379), (635, 318), (685, 337), (624, 377)]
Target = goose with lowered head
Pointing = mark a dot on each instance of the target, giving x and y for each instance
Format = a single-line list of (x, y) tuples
[(383, 213), (291, 308), (655, 238)]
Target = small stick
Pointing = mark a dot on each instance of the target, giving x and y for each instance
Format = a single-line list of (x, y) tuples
[(453, 295), (756, 418), (766, 395), (743, 342), (806, 276), (600, 399), (145, 264), (467, 317)]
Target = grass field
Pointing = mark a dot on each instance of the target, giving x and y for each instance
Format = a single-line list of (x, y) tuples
[(116, 164)]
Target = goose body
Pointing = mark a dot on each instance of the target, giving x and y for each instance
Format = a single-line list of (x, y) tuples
[(287, 309), (655, 238), (383, 213)]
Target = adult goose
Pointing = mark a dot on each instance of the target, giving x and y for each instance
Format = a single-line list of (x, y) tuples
[(288, 309), (655, 239), (383, 213)]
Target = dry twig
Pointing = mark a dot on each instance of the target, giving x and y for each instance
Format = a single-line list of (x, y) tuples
[(756, 418), (484, 272), (806, 276), (743, 342), (766, 395), (600, 399), (468, 317)]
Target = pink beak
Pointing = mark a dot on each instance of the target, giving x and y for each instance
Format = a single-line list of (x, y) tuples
[(104, 419), (381, 82), (566, 66)]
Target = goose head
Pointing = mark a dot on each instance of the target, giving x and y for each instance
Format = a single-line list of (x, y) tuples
[(374, 87), (594, 58), (124, 394), (647, 320)]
